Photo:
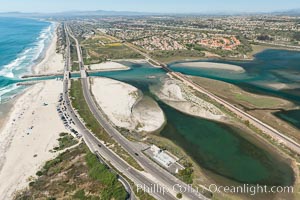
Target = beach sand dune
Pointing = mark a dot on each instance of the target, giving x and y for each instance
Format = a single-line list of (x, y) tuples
[(211, 65)]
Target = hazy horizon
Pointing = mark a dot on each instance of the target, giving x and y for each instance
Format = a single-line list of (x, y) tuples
[(155, 6)]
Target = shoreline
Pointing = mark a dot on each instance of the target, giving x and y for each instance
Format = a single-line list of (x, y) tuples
[(51, 61), (212, 65), (25, 137)]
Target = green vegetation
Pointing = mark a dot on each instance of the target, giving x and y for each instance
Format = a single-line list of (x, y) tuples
[(168, 56), (81, 176), (179, 196), (296, 36), (79, 103), (80, 194), (99, 172), (74, 57), (186, 175), (66, 140), (256, 101)]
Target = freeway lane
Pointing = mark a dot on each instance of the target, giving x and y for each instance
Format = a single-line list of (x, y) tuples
[(161, 176)]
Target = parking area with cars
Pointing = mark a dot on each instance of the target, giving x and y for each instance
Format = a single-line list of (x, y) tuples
[(65, 117)]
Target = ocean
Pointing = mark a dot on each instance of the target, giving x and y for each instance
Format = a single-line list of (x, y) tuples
[(22, 44)]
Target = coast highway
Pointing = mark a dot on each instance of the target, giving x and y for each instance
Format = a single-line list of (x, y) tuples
[(154, 176)]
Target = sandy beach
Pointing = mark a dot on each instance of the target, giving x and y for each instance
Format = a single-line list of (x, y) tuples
[(108, 66), (180, 97), (53, 62), (126, 107), (31, 131), (31, 128), (211, 65)]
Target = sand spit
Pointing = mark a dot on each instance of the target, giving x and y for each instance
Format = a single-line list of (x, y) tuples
[(126, 107), (211, 65), (108, 66)]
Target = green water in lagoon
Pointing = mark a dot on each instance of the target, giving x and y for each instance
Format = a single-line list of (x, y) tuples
[(291, 116), (215, 146), (220, 148)]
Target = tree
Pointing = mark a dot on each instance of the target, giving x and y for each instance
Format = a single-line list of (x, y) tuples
[(179, 195)]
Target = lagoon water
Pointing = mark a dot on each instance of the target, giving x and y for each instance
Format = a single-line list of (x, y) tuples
[(217, 147)]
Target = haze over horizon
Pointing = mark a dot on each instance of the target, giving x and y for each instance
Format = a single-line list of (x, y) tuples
[(155, 6)]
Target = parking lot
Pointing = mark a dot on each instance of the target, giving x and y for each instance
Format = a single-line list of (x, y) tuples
[(64, 116)]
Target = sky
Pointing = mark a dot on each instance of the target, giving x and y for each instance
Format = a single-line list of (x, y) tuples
[(167, 6)]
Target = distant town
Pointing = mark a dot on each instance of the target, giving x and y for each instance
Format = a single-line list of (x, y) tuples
[(192, 36)]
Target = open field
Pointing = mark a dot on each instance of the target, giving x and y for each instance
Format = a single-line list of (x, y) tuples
[(102, 48), (171, 56)]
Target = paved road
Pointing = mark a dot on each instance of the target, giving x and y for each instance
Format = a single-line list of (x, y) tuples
[(161, 176)]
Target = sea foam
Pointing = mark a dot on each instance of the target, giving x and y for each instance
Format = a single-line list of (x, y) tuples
[(29, 56), (24, 62)]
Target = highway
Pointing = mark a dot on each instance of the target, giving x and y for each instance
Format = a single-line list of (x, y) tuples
[(159, 176)]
